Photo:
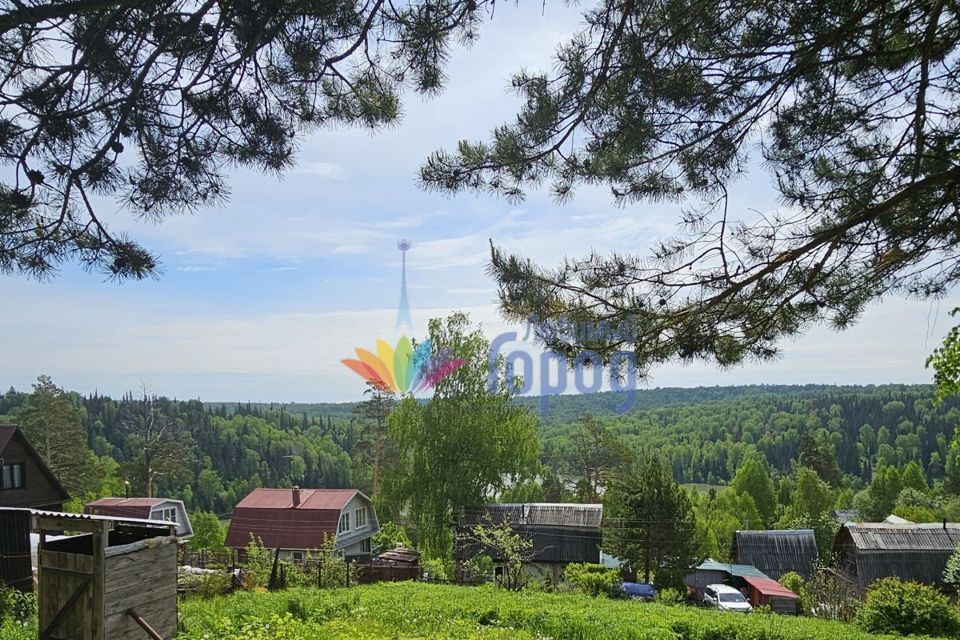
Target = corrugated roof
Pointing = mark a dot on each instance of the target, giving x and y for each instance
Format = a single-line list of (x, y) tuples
[(905, 537), (310, 499), (90, 517), (127, 502), (536, 514), (769, 587), (776, 552), (269, 514), (915, 552), (739, 570)]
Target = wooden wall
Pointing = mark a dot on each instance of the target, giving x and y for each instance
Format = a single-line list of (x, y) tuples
[(145, 580), (38, 492)]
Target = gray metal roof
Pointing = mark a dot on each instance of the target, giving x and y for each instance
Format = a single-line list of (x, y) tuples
[(536, 514), (917, 552), (882, 536), (776, 552)]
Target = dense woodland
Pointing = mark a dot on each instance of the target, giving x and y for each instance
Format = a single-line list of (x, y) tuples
[(704, 433)]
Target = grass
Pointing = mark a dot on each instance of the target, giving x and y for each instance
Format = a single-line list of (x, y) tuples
[(407, 611), (417, 611)]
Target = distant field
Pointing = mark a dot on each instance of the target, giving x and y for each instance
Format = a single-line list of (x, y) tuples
[(404, 611)]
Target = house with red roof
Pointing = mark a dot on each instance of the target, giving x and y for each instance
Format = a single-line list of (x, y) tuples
[(144, 508), (25, 480), (298, 520)]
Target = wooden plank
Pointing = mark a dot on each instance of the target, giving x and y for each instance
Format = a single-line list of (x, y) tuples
[(66, 609), (144, 625)]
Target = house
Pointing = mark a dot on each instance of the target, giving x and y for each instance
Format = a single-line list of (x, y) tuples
[(918, 552), (776, 552), (145, 509), (770, 593), (26, 480), (560, 533), (712, 572), (298, 520)]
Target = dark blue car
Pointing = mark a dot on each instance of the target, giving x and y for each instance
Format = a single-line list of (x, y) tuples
[(639, 590)]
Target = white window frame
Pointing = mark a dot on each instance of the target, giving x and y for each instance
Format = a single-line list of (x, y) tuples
[(344, 525), (169, 514), (360, 517)]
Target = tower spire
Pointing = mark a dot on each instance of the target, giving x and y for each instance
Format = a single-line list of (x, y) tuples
[(403, 311)]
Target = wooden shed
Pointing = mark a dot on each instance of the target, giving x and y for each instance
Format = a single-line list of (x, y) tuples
[(115, 580), (917, 552), (776, 552), (560, 533)]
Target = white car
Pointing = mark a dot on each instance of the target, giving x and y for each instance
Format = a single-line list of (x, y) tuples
[(725, 598)]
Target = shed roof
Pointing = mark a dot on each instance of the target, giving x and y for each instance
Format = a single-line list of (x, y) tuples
[(769, 587), (536, 514), (776, 552), (739, 570), (885, 536)]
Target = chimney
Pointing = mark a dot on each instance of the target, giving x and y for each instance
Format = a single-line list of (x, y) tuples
[(296, 497)]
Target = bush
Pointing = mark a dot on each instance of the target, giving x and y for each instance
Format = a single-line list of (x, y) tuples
[(795, 582), (17, 606), (593, 579), (907, 608), (671, 596), (437, 569)]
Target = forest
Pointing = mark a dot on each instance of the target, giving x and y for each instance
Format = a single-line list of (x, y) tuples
[(704, 433)]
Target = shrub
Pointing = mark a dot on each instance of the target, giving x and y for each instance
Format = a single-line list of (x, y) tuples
[(593, 579), (436, 569), (671, 596), (795, 582), (17, 606), (391, 536), (907, 608)]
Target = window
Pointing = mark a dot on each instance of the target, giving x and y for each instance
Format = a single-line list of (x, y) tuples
[(361, 517), (12, 476), (169, 514), (297, 556), (344, 523), (365, 546)]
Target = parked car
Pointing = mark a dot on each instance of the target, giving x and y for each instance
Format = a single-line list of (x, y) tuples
[(639, 590), (725, 598)]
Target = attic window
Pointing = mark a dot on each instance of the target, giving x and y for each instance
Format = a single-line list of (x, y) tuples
[(169, 514), (361, 516), (344, 525), (12, 476)]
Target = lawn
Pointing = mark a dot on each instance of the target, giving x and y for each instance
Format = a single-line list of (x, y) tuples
[(402, 611)]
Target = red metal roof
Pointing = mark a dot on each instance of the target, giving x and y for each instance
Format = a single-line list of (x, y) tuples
[(123, 507), (769, 587), (322, 499), (269, 515)]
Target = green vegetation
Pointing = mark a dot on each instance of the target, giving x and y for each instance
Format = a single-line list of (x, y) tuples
[(411, 610), (906, 608)]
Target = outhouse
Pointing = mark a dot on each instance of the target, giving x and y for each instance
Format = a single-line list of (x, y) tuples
[(115, 580)]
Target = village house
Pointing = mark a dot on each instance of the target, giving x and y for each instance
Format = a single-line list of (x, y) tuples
[(26, 480), (866, 552), (776, 552), (145, 509), (296, 521), (561, 533)]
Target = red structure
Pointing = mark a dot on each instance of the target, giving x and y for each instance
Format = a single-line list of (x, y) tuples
[(296, 520), (768, 592)]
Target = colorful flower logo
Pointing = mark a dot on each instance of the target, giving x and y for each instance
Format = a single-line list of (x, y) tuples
[(404, 368)]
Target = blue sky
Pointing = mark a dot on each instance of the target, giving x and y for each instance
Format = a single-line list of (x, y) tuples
[(260, 299)]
